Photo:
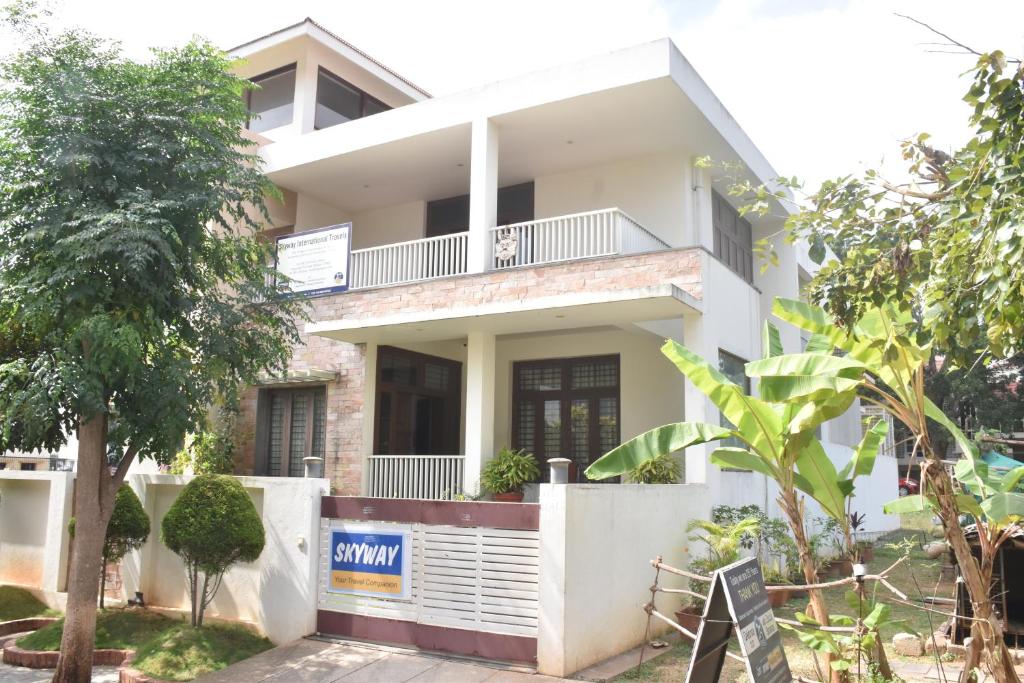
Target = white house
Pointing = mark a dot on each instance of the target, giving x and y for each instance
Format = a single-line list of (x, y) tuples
[(520, 251)]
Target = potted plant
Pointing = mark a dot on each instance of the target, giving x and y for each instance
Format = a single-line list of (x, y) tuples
[(506, 474), (864, 550), (774, 577)]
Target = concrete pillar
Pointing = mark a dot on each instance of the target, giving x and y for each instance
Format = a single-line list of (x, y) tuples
[(304, 114), (697, 336), (702, 232), (483, 192), (552, 649), (480, 371), (369, 411)]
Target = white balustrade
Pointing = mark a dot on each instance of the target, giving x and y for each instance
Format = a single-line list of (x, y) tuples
[(428, 477), (423, 259), (563, 238)]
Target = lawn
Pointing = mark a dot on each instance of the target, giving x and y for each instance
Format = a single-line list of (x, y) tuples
[(18, 603), (165, 648), (917, 577)]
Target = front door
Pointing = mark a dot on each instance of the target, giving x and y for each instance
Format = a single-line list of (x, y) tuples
[(568, 408), (418, 404)]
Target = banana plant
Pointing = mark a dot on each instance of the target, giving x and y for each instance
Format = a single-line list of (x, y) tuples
[(892, 358), (776, 429)]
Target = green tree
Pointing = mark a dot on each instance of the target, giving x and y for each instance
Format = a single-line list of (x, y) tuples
[(211, 526), (127, 530), (133, 284)]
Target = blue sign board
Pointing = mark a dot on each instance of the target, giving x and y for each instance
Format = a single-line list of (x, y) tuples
[(316, 261), (371, 561)]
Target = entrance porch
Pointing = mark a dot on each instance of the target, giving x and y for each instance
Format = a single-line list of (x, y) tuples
[(442, 396)]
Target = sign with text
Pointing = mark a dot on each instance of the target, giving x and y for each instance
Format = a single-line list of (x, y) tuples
[(316, 261), (371, 561), (738, 600)]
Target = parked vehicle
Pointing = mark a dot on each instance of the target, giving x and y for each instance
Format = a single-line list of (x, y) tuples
[(909, 487)]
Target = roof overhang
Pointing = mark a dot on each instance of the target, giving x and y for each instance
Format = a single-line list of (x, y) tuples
[(311, 29), (542, 314)]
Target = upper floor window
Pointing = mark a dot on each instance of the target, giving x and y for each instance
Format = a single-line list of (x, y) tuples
[(734, 368), (733, 238), (338, 101), (274, 102)]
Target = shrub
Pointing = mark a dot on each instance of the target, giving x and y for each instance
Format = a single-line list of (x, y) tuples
[(211, 526), (661, 469), (509, 471), (127, 530)]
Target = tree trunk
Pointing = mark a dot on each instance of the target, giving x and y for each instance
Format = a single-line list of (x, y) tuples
[(988, 626), (202, 600), (92, 512), (194, 593), (794, 510)]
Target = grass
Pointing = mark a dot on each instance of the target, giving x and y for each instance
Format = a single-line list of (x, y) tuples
[(165, 648), (116, 629), (183, 653), (917, 576), (18, 603)]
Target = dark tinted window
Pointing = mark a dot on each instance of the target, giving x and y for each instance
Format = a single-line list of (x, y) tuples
[(445, 216), (273, 102), (338, 101)]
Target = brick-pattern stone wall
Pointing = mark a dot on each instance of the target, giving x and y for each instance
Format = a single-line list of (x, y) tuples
[(345, 409)]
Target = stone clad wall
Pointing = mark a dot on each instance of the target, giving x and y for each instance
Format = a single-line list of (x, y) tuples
[(345, 409)]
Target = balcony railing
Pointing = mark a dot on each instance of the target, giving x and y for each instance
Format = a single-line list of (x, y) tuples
[(582, 235), (423, 259), (36, 463), (428, 477), (564, 238)]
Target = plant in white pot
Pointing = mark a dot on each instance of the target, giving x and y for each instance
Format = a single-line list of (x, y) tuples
[(506, 474)]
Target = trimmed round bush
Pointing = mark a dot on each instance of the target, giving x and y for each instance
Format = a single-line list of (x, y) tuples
[(211, 526)]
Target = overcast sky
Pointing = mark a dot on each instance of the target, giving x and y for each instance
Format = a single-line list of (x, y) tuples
[(821, 86)]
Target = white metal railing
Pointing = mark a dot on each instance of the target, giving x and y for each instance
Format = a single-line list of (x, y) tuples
[(562, 238), (409, 261), (430, 477)]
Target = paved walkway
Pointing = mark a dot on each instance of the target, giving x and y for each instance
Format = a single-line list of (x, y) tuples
[(17, 674), (315, 661)]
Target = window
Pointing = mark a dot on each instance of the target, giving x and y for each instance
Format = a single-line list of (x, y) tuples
[(733, 368), (28, 466), (419, 403), (450, 215), (294, 426), (274, 102), (566, 408), (338, 101), (733, 237)]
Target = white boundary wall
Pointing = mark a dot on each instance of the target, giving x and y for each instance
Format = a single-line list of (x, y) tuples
[(596, 543)]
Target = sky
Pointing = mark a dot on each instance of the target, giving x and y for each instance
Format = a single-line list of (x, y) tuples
[(823, 87)]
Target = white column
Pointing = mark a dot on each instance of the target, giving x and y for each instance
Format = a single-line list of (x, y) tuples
[(480, 370), (702, 232), (369, 410), (698, 337), (483, 192), (304, 114), (552, 634)]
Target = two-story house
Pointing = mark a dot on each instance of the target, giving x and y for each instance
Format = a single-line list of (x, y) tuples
[(520, 251)]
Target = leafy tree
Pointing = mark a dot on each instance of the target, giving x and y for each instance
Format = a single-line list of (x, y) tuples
[(885, 348), (212, 449), (212, 526), (127, 530), (133, 284)]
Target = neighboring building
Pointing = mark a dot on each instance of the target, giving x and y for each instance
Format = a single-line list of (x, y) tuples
[(520, 252)]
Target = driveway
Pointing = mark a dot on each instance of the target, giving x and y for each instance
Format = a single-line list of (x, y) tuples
[(315, 661)]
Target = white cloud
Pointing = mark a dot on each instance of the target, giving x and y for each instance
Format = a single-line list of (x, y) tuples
[(820, 85)]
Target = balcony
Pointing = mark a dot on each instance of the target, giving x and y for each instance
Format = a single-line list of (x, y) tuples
[(606, 232)]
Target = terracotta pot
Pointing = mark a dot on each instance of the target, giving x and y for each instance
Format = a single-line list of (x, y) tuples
[(509, 497), (689, 618), (867, 553), (841, 568), (778, 598)]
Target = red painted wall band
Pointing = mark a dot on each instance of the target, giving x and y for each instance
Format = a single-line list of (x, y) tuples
[(521, 516)]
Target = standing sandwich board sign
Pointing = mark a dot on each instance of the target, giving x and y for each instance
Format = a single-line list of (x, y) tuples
[(316, 261), (739, 600)]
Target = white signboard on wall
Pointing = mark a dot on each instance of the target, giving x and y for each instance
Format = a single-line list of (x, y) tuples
[(316, 261)]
